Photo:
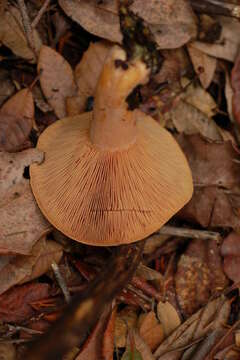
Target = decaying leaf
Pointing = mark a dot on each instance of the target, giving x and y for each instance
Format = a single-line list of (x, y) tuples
[(7, 351), (13, 36), (56, 78), (86, 74), (228, 44), (21, 223), (168, 317), (15, 304), (99, 19), (208, 168), (190, 120), (172, 22), (16, 120), (141, 347), (230, 250), (204, 65), (151, 331), (20, 269), (199, 275), (213, 316), (126, 320), (7, 88)]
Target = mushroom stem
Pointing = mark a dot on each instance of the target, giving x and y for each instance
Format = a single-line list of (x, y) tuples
[(114, 126)]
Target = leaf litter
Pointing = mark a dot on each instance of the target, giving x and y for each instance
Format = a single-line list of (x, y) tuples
[(183, 301)]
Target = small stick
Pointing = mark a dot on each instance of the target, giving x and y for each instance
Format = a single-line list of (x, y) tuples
[(40, 13), (216, 7), (189, 233), (27, 25), (61, 282)]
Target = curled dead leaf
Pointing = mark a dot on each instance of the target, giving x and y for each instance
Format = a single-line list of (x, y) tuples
[(13, 36), (56, 79), (16, 120), (168, 317)]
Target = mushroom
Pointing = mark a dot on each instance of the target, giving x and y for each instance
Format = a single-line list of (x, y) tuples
[(111, 176)]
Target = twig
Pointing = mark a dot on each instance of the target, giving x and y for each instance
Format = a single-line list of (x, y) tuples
[(216, 7), (189, 233), (61, 282), (40, 13), (84, 311), (27, 25)]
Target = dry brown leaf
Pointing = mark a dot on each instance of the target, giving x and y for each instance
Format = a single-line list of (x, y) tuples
[(86, 75), (153, 242), (15, 304), (141, 346), (189, 120), (108, 337), (7, 88), (151, 331), (212, 164), (13, 36), (172, 21), (228, 44), (168, 317), (56, 78), (229, 95), (99, 19), (16, 120), (196, 96), (21, 223), (126, 319), (230, 250), (199, 275), (7, 351), (22, 268), (213, 316), (204, 65), (148, 273)]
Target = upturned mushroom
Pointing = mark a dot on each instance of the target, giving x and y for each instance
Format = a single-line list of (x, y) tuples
[(111, 176)]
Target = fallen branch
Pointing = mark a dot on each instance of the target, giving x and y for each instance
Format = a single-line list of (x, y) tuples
[(27, 25), (84, 311), (40, 13), (216, 7), (189, 233)]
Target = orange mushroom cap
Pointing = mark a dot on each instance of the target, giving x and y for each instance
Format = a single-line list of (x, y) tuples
[(111, 176)]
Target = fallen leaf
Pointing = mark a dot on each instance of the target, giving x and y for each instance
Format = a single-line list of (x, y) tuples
[(126, 320), (204, 65), (86, 74), (7, 351), (199, 275), (168, 317), (190, 120), (132, 354), (16, 120), (142, 347), (15, 304), (151, 331), (228, 44), (212, 164), (20, 269), (56, 79), (172, 22), (213, 316), (7, 88), (99, 19), (13, 36), (21, 222), (230, 250)]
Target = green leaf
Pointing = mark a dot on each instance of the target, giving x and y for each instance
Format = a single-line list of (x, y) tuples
[(132, 355)]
